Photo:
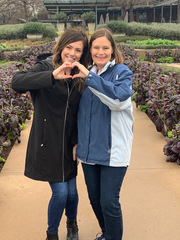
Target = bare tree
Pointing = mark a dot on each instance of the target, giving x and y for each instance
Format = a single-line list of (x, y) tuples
[(20, 8), (132, 3), (7, 10), (125, 4), (29, 7)]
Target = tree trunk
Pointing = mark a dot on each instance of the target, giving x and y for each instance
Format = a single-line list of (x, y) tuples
[(178, 10), (123, 11), (25, 11), (131, 15)]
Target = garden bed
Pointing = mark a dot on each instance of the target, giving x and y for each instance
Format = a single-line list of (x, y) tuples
[(147, 81), (142, 52), (5, 153), (13, 45)]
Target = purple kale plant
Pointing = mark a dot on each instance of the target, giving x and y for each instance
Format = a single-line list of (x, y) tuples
[(172, 147)]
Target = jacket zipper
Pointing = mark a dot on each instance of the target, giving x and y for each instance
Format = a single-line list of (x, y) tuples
[(64, 128)]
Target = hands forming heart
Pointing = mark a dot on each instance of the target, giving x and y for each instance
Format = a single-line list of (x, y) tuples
[(64, 71)]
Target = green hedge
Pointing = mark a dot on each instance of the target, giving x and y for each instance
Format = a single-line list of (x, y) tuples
[(14, 31), (49, 31), (33, 28), (155, 30), (115, 26), (126, 38), (19, 31)]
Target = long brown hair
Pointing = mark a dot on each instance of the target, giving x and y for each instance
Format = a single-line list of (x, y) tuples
[(71, 35), (104, 32)]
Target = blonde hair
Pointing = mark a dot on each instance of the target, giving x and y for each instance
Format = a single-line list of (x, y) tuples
[(104, 32), (69, 36)]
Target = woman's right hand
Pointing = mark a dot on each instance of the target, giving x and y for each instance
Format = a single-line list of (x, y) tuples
[(61, 71), (83, 71), (74, 154)]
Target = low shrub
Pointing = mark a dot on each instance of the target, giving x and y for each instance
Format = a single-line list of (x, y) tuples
[(33, 28), (172, 147), (159, 91), (49, 31), (160, 46), (132, 38), (14, 31), (163, 55), (61, 17), (117, 26), (127, 51), (176, 55), (89, 17), (19, 31), (16, 108), (165, 60), (154, 44), (155, 30)]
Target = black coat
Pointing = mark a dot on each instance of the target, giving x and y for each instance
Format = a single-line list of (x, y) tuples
[(54, 128)]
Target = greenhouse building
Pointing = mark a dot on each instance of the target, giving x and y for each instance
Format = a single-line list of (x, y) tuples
[(105, 10)]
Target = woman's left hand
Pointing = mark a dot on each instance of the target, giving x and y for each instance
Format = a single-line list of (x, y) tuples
[(83, 71)]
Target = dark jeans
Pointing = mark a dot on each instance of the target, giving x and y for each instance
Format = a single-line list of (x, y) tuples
[(64, 196), (103, 185)]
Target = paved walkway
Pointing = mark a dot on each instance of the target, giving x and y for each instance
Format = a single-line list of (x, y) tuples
[(150, 194)]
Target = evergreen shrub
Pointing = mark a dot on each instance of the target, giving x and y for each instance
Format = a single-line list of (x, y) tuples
[(19, 31), (89, 17), (12, 31), (33, 28), (117, 26), (155, 30), (49, 31), (61, 17)]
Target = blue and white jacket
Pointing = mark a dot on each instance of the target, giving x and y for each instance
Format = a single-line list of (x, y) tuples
[(105, 120)]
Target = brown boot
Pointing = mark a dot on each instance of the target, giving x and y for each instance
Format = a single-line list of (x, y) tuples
[(52, 236), (72, 230)]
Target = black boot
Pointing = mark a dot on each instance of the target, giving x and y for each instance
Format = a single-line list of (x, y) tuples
[(72, 230), (52, 236)]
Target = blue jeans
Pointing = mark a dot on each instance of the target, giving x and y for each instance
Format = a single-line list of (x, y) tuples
[(64, 196), (103, 185)]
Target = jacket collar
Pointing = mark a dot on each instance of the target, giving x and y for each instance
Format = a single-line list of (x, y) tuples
[(108, 64)]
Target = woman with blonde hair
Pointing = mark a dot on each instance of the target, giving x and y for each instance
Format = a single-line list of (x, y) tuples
[(105, 130)]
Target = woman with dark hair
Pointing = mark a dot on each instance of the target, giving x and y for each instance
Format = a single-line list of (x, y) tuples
[(55, 96), (105, 130)]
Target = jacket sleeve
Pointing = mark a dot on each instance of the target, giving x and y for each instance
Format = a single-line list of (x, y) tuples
[(116, 94), (33, 79)]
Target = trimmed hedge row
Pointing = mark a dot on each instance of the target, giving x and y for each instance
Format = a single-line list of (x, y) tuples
[(155, 30), (19, 31)]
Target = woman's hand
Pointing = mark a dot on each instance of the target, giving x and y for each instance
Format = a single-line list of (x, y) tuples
[(74, 154), (62, 71), (83, 71)]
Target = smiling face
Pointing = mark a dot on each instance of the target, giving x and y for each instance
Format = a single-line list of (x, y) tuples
[(72, 52), (101, 51)]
